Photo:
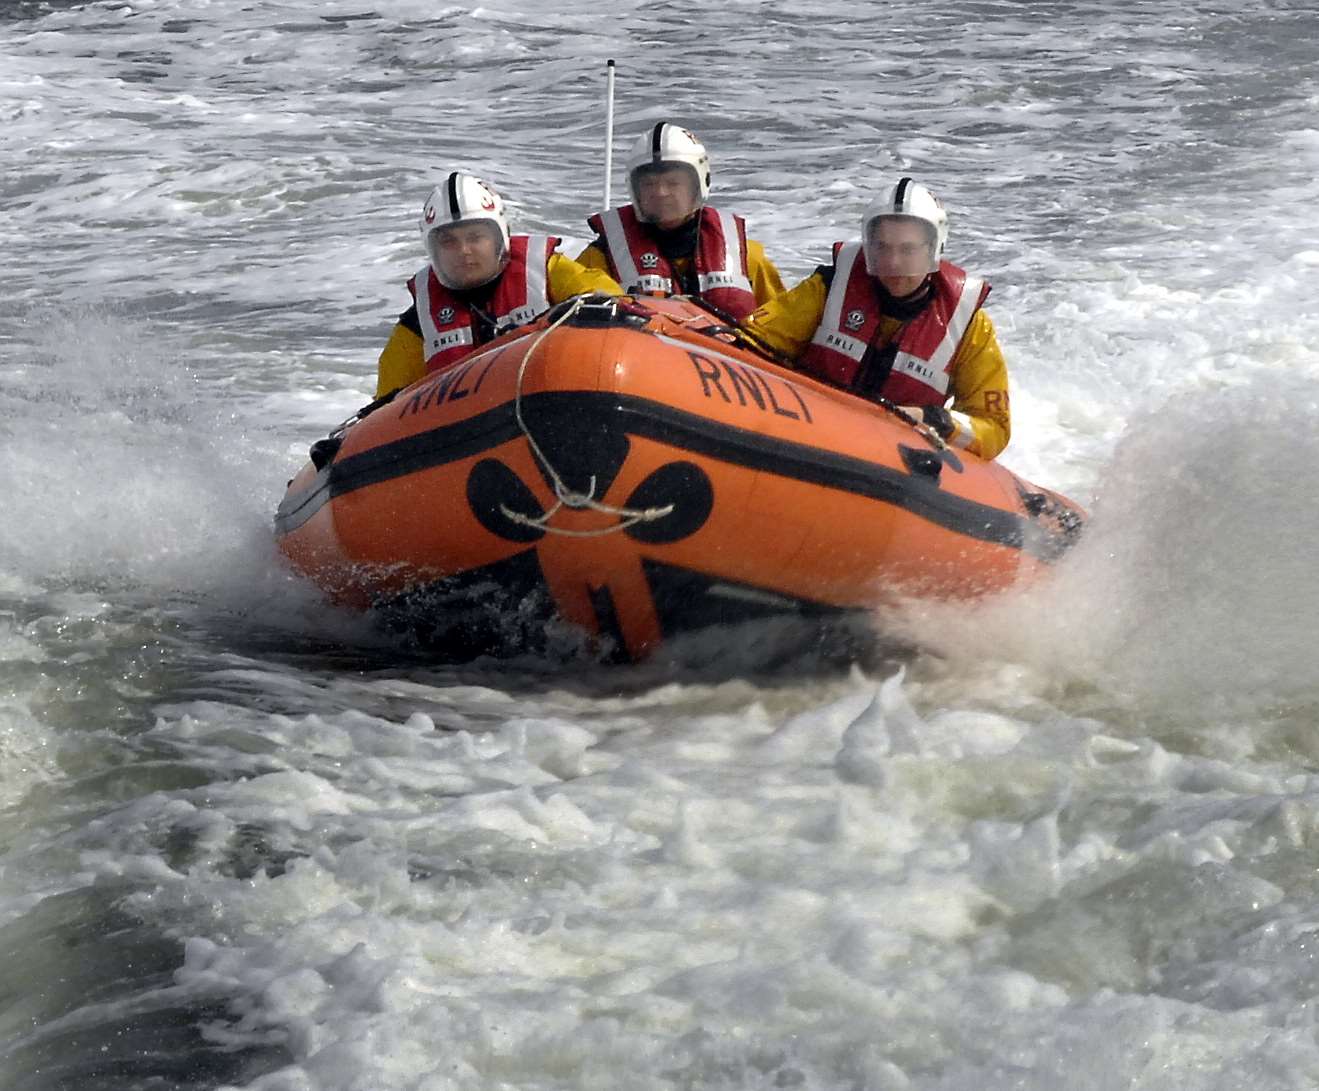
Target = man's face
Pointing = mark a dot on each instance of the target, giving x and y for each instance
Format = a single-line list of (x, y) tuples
[(470, 254), (899, 253), (666, 195)]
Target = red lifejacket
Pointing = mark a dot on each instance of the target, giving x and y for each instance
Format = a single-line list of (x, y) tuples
[(721, 258), (922, 368), (447, 330)]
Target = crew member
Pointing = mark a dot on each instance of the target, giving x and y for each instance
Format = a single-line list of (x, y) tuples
[(479, 282), (890, 319), (668, 241)]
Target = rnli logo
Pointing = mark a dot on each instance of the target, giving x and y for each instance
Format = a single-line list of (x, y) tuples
[(488, 201), (855, 320), (446, 315), (649, 260), (430, 214)]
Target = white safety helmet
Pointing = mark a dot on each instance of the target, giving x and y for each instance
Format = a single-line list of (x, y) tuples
[(908, 200), (463, 198), (669, 145)]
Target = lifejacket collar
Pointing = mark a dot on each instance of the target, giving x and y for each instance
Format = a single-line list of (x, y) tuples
[(907, 306)]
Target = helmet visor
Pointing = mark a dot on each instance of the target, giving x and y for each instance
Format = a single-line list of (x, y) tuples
[(901, 247), (665, 193), (467, 254)]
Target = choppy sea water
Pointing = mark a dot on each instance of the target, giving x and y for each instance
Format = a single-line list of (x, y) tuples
[(1063, 840)]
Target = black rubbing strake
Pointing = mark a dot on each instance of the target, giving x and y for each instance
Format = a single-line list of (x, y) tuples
[(695, 435)]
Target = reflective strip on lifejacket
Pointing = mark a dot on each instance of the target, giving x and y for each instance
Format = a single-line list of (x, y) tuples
[(432, 340), (537, 294), (730, 275), (450, 340), (630, 278), (829, 333), (904, 363)]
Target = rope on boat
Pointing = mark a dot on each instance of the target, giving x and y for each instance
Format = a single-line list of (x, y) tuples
[(627, 517), (566, 497)]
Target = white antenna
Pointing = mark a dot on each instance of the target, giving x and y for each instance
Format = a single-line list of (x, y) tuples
[(609, 129)]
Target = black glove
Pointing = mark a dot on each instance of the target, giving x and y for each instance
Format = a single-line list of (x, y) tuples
[(938, 418)]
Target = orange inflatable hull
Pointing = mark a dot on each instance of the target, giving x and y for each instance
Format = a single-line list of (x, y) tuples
[(630, 469)]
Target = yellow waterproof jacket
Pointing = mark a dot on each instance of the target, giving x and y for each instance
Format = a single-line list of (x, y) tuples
[(979, 386), (403, 360), (765, 280)]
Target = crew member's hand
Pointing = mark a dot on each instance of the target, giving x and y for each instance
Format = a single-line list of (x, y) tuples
[(934, 416)]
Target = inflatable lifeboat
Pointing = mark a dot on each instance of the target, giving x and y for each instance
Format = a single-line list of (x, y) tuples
[(628, 467)]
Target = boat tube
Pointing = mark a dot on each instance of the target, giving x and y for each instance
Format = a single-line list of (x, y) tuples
[(632, 468)]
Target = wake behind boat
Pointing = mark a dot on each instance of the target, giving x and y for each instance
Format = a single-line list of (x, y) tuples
[(627, 466)]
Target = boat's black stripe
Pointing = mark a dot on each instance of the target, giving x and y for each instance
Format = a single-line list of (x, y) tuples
[(687, 431), (920, 495)]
